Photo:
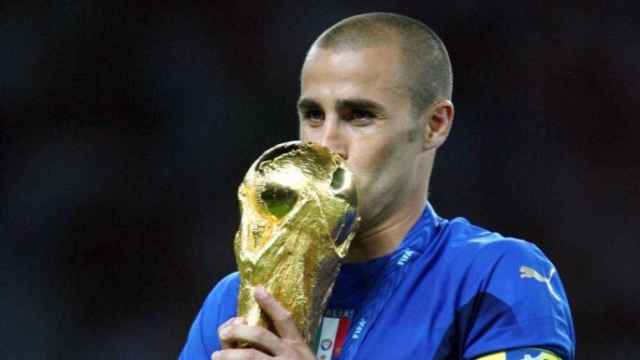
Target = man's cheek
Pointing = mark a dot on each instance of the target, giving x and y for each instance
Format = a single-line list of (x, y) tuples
[(305, 134)]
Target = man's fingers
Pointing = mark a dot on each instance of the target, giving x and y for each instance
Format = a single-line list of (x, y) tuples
[(239, 354), (281, 317), (229, 344), (257, 337)]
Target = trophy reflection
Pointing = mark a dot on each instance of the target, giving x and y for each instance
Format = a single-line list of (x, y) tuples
[(298, 218)]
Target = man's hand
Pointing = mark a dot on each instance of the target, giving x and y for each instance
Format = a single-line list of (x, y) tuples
[(286, 344)]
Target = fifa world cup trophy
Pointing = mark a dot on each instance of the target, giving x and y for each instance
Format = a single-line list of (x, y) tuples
[(298, 218)]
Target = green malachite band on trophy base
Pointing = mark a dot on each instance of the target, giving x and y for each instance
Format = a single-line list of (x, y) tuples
[(316, 339)]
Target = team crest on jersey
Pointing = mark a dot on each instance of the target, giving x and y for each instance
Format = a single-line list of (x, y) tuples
[(326, 344), (332, 333)]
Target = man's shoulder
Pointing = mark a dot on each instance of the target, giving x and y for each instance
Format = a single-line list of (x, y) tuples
[(222, 301), (219, 306), (508, 286), (225, 290), (470, 242), (508, 268), (228, 282), (482, 256)]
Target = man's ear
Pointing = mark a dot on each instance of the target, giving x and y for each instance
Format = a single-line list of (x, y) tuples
[(437, 122)]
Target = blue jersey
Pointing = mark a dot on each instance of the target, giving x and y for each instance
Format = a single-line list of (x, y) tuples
[(451, 290)]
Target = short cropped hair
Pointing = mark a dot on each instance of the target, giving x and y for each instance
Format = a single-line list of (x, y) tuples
[(426, 64)]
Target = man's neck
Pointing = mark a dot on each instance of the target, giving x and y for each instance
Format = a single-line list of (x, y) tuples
[(384, 238)]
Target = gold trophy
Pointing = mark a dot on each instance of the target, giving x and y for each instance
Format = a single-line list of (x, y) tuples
[(298, 218)]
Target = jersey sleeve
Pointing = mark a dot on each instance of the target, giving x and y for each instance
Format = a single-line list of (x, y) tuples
[(219, 306), (517, 300)]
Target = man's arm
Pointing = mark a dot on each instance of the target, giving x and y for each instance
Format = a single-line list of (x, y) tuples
[(519, 307), (522, 354)]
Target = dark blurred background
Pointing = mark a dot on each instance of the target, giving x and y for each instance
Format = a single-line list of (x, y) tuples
[(127, 126)]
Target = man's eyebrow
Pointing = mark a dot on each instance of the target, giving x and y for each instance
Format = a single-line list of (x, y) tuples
[(357, 103), (306, 103), (352, 103)]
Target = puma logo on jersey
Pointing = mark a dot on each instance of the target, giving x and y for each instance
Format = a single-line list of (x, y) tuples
[(529, 273)]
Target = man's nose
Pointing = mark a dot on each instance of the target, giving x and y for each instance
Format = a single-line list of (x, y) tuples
[(333, 137)]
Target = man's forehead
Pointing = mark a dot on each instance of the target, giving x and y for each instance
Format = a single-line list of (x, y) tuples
[(350, 59), (366, 68)]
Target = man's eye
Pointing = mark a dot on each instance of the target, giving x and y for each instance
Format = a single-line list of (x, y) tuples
[(359, 117), (312, 114), (313, 118), (360, 114)]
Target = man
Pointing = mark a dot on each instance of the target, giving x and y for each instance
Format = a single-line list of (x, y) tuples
[(376, 88)]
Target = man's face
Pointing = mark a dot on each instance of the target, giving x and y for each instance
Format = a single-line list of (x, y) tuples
[(355, 103)]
